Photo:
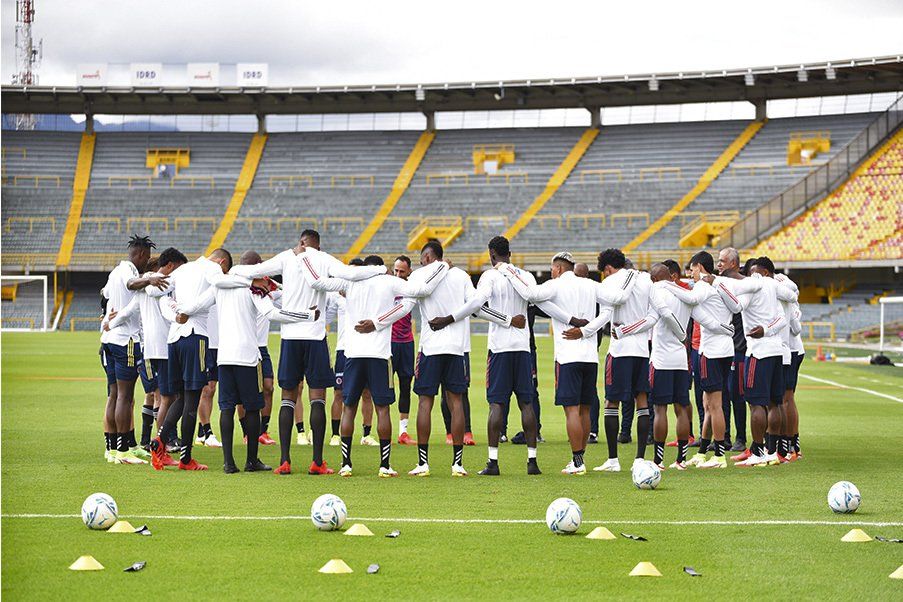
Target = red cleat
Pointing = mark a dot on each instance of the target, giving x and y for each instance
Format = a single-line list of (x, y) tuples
[(449, 440), (168, 461), (674, 443), (468, 439), (158, 454), (405, 439), (742, 457), (782, 459), (321, 469), (192, 465), (265, 439), (793, 457), (284, 468)]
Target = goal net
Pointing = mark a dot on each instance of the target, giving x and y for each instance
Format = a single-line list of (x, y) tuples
[(25, 304), (891, 323)]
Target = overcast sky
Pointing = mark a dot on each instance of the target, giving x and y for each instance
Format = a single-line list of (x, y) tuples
[(381, 41)]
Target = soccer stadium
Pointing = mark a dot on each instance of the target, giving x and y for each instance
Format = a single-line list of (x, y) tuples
[(661, 313)]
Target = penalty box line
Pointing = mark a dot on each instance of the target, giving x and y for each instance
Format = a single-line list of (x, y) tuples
[(492, 521), (860, 389)]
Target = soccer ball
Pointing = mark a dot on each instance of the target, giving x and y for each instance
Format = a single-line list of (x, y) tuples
[(564, 516), (328, 512), (99, 511), (844, 498), (646, 475)]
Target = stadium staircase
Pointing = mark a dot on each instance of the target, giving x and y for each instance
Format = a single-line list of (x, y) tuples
[(79, 190), (402, 182), (702, 184), (242, 185)]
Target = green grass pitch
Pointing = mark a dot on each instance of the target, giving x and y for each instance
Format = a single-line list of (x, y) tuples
[(53, 395)]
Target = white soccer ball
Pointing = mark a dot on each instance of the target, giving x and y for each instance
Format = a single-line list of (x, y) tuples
[(328, 512), (564, 516), (99, 511), (646, 475), (844, 498)]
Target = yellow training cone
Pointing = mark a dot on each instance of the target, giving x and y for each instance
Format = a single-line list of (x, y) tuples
[(121, 526), (86, 563), (600, 533), (359, 529), (645, 569), (898, 574), (856, 535), (336, 566)]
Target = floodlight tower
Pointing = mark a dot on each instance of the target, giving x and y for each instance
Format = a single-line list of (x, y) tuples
[(28, 56)]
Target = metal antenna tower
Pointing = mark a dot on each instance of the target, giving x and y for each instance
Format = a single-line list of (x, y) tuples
[(28, 56)]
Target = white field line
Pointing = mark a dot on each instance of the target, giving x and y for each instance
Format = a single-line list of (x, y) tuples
[(493, 521), (842, 386)]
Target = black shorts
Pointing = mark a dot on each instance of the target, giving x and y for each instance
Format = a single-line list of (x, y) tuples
[(339, 369), (370, 373), (403, 359), (715, 373), (161, 371), (212, 374), (187, 363), (509, 372), (445, 369), (241, 385), (764, 380), (303, 359), (575, 383), (266, 362), (625, 377), (669, 386), (792, 372)]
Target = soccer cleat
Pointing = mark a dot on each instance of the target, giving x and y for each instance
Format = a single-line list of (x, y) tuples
[(770, 460), (533, 467), (503, 438), (230, 469), (570, 469), (739, 446), (678, 465), (448, 439), (742, 457), (638, 462), (173, 445), (624, 438), (405, 439), (592, 439), (782, 459), (421, 470), (610, 465), (334, 441), (659, 465), (539, 438), (140, 453), (192, 465), (199, 440), (674, 443), (284, 468), (345, 471), (369, 440), (168, 461), (109, 456), (257, 466), (127, 457), (212, 441), (458, 471), (158, 452), (468, 439), (264, 439), (387, 473), (693, 442), (753, 460), (302, 439), (321, 469), (491, 470), (714, 462), (697, 460), (793, 457)]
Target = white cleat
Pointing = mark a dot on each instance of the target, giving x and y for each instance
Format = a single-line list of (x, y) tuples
[(369, 440), (302, 439), (387, 473), (334, 441), (345, 471), (199, 441), (753, 460), (696, 460), (611, 465), (639, 462), (128, 458), (110, 456), (570, 469), (771, 460), (212, 441), (678, 465), (458, 471), (421, 470), (714, 462)]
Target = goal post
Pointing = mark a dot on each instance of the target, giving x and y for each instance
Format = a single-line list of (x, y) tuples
[(884, 302), (25, 304)]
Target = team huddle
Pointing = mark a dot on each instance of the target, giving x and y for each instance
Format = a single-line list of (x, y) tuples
[(184, 327)]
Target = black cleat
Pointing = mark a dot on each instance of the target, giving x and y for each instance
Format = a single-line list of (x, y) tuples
[(533, 467), (257, 466), (593, 438), (693, 443), (624, 438), (727, 443), (491, 470), (230, 468), (503, 438), (519, 439), (739, 445)]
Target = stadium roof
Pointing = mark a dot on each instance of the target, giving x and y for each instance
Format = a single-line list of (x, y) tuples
[(755, 84)]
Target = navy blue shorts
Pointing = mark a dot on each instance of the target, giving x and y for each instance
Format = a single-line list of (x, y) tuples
[(403, 359), (575, 383), (212, 374), (266, 362), (467, 367), (187, 363), (149, 377), (715, 374), (106, 362), (370, 373), (737, 384), (669, 386), (241, 385), (764, 380), (161, 372), (122, 361), (625, 377), (792, 372), (445, 369), (339, 369), (301, 359), (509, 372)]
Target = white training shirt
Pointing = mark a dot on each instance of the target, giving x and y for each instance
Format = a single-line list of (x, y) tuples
[(494, 290), (154, 327), (716, 331), (213, 328), (454, 290), (119, 295), (633, 309), (335, 310), (757, 300), (793, 315), (263, 322), (667, 319)]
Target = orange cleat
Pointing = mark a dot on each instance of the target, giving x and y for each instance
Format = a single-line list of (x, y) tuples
[(405, 439), (192, 465), (782, 459), (265, 439), (793, 457), (690, 441), (742, 457), (449, 440), (468, 439), (158, 454), (168, 461), (284, 468), (321, 469)]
